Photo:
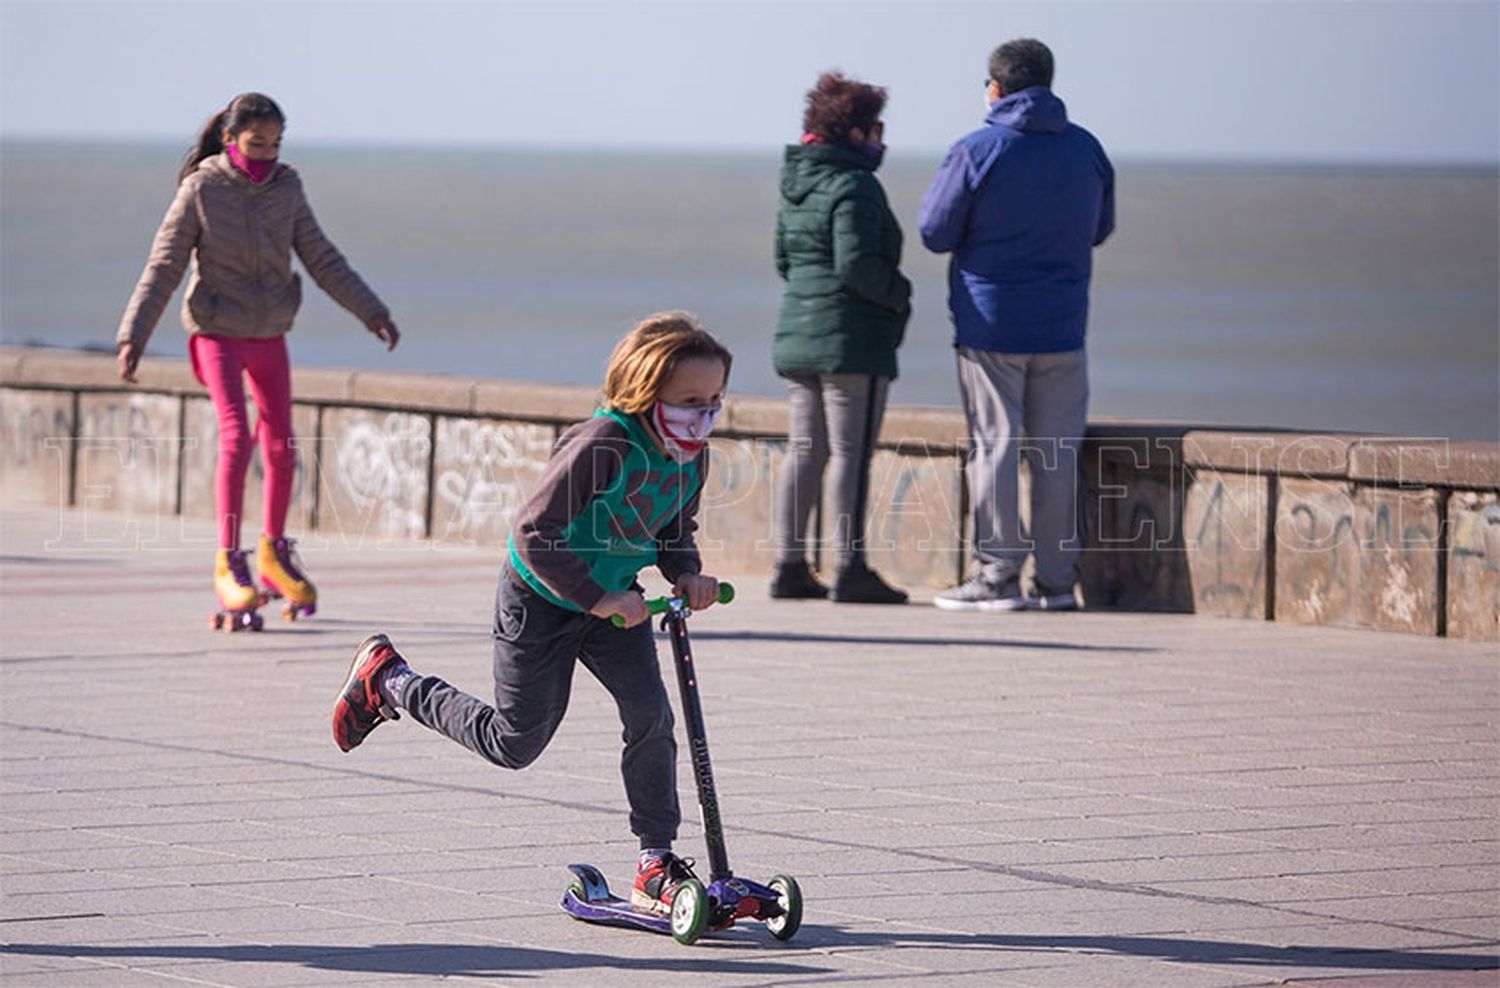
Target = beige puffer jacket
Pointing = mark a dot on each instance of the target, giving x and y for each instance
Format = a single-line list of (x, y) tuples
[(241, 235)]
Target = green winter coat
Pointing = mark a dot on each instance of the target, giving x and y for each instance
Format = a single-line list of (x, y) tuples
[(838, 247)]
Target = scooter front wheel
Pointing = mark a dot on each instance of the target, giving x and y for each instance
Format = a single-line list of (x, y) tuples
[(789, 897), (689, 912)]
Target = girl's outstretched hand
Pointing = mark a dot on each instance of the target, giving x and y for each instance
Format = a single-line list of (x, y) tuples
[(698, 590), (628, 604), (385, 330), (128, 359)]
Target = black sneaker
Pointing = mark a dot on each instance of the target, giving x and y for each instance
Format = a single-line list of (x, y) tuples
[(360, 708), (794, 581), (1048, 599), (979, 593), (858, 584)]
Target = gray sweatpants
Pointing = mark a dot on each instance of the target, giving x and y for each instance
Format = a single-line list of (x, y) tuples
[(1036, 404), (536, 644), (834, 419)]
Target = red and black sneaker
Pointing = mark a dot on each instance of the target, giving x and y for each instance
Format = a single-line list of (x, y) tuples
[(657, 880), (360, 707)]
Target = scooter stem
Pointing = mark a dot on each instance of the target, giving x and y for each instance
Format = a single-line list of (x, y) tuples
[(692, 712)]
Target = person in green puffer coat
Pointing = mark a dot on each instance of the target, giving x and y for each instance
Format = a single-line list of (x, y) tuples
[(843, 315)]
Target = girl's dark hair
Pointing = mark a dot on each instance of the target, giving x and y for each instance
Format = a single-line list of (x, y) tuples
[(242, 111), (837, 104)]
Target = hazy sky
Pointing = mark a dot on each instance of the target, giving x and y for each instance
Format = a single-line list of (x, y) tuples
[(1356, 80)]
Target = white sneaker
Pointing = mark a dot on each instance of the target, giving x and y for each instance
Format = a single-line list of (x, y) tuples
[(979, 594)]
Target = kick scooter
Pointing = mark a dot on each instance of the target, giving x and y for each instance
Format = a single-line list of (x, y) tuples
[(726, 898)]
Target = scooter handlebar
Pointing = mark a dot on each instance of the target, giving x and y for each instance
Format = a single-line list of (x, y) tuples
[(660, 605)]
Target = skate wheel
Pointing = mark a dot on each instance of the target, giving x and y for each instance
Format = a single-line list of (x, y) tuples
[(689, 912), (789, 897)]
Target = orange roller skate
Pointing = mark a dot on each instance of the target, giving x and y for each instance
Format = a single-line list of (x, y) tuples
[(239, 601), (283, 578)]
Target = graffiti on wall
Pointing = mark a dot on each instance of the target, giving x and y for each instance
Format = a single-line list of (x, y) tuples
[(38, 429), (376, 480), (127, 453), (1227, 521), (483, 472), (1366, 557)]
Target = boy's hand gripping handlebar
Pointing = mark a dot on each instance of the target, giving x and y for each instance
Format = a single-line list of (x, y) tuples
[(660, 605)]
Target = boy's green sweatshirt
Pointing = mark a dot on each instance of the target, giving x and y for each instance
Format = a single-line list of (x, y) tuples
[(609, 504)]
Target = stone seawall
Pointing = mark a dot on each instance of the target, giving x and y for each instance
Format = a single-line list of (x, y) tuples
[(1356, 531)]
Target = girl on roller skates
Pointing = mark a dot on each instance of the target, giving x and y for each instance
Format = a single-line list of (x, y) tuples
[(620, 493), (238, 215)]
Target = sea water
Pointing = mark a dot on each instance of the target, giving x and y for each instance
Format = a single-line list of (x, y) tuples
[(1362, 299)]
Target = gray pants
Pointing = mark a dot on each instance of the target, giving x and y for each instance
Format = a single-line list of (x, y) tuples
[(1042, 397), (834, 421), (536, 646)]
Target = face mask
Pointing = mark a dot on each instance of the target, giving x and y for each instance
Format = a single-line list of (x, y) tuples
[(683, 430), (258, 169)]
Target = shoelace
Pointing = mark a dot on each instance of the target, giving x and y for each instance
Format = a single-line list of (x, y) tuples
[(239, 567), (679, 869), (285, 555)]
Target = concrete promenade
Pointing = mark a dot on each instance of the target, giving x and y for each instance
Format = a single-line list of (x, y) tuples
[(1038, 800)]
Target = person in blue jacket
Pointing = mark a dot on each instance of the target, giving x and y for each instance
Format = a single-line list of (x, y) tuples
[(1020, 204)]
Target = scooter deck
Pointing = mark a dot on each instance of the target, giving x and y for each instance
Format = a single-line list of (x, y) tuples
[(599, 905)]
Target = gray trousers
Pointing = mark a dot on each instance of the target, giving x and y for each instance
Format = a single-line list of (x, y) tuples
[(834, 421), (536, 644), (1036, 404)]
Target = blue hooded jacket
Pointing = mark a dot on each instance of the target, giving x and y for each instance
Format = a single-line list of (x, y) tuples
[(1021, 203)]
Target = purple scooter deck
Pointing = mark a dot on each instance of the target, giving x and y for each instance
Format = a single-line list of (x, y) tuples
[(599, 905)]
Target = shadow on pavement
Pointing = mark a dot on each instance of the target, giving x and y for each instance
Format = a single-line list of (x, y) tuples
[(809, 636), (429, 959), (460, 959), (1182, 950)]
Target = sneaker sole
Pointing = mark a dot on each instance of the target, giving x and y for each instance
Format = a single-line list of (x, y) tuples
[(641, 900), (1008, 604)]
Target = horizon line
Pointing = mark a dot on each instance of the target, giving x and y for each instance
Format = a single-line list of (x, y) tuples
[(905, 154)]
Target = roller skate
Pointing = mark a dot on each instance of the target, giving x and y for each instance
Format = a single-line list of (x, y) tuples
[(238, 598), (283, 579)]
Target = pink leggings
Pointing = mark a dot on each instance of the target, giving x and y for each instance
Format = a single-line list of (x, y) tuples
[(221, 362)]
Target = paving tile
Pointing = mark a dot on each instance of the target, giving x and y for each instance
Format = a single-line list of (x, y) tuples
[(1041, 808)]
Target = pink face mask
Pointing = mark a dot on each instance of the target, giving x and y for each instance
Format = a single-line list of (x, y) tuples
[(258, 169), (683, 429)]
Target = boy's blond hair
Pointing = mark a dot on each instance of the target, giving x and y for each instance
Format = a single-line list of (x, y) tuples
[(649, 353)]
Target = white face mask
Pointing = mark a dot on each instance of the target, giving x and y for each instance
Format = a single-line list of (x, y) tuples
[(684, 429)]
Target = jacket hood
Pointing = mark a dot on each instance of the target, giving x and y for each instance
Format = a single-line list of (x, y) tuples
[(1036, 109), (806, 166)]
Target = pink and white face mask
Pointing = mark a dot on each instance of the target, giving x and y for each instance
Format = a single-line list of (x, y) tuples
[(684, 429), (257, 169)]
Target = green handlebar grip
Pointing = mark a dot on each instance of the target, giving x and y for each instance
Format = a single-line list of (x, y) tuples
[(660, 605)]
